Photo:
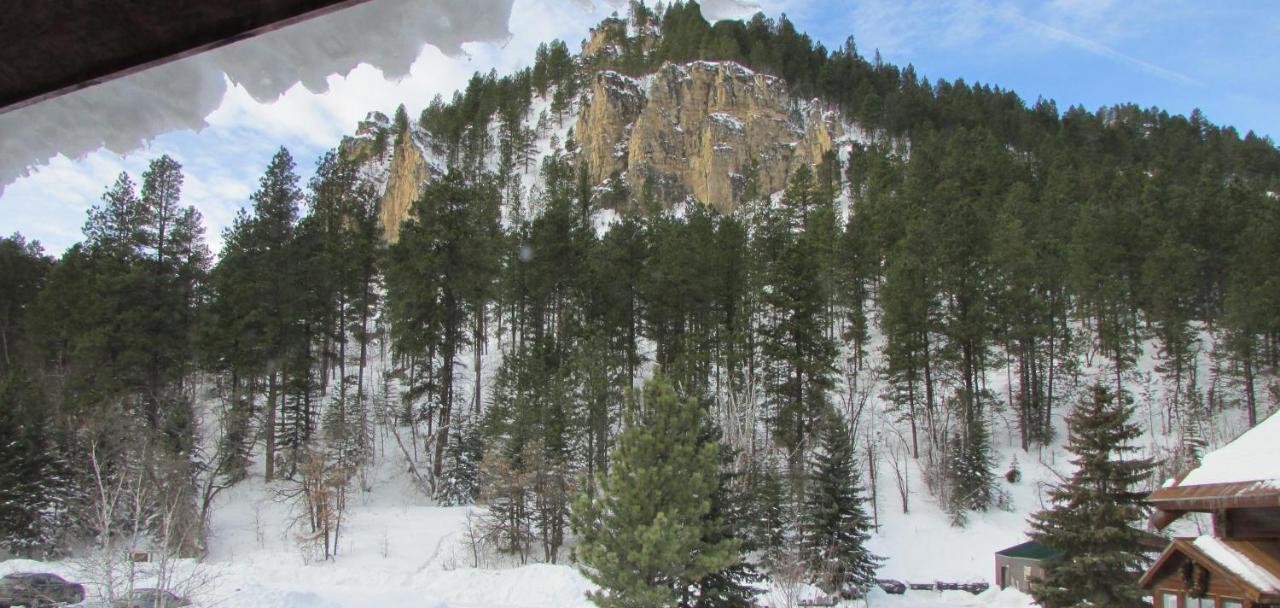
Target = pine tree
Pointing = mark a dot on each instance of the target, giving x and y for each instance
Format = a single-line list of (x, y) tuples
[(270, 254), (770, 510), (460, 484), (969, 473), (37, 485), (728, 518), (23, 271), (798, 351), (645, 532), (908, 303), (834, 529), (1091, 520), (440, 278)]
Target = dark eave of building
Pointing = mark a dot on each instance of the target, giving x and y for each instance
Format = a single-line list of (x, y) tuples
[(55, 47), (1174, 501)]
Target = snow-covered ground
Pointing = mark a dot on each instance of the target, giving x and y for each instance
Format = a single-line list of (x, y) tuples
[(398, 550)]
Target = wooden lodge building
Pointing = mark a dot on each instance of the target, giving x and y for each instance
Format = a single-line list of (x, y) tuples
[(1238, 565)]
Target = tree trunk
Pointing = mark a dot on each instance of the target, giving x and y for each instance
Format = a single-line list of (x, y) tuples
[(1250, 397), (477, 346), (911, 409), (1024, 407), (928, 393), (446, 409), (364, 361), (271, 426), (1047, 415)]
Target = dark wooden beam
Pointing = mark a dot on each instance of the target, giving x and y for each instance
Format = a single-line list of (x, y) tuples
[(1216, 497), (1160, 518), (53, 47)]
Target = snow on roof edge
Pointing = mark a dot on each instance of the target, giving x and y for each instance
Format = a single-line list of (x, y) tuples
[(1253, 456), (1238, 564)]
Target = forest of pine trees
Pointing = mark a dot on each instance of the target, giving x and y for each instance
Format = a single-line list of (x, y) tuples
[(978, 235)]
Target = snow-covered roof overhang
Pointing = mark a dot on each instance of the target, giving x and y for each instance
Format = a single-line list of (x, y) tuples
[(1253, 456), (53, 48), (1243, 474), (1217, 496), (123, 114)]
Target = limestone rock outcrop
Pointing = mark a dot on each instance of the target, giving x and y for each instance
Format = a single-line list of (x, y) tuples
[(695, 130), (698, 130), (395, 162), (406, 175), (605, 123)]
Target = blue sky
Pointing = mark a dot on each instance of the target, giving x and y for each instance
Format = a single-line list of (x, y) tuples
[(1221, 57), (1179, 55)]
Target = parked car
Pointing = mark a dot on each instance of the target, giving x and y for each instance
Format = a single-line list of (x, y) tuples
[(891, 586), (151, 598), (38, 590)]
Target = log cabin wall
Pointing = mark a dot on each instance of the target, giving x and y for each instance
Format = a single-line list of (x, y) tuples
[(1250, 524)]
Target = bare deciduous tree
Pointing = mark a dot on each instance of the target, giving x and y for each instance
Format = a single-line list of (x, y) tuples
[(321, 493)]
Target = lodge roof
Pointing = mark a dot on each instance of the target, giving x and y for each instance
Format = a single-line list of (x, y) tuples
[(1251, 566), (1253, 456), (1242, 474)]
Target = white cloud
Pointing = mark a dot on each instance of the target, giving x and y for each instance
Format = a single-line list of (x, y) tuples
[(906, 28), (716, 10), (125, 113), (1049, 32), (225, 144)]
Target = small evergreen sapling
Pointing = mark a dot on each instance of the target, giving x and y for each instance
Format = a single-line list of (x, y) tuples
[(460, 484)]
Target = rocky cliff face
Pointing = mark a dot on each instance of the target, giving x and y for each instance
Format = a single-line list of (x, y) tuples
[(693, 130), (697, 130), (406, 175), (396, 162)]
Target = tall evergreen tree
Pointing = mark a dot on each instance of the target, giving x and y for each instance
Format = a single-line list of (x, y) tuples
[(646, 535), (799, 352), (274, 303), (1094, 511), (439, 283), (733, 586), (24, 268), (834, 528)]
